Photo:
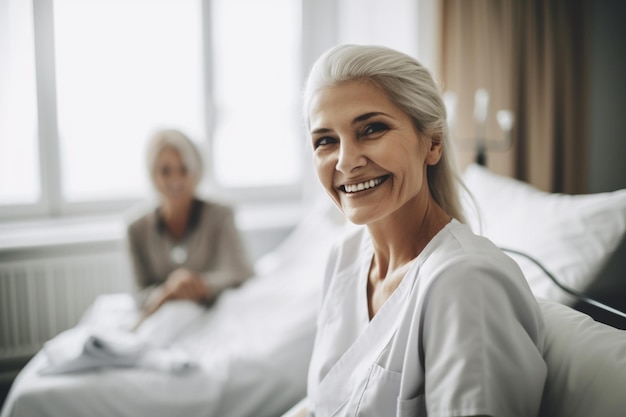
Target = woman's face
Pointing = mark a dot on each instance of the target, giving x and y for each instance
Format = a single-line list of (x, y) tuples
[(173, 180), (368, 155)]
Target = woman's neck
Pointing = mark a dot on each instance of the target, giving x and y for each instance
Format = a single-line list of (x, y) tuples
[(401, 237), (176, 217)]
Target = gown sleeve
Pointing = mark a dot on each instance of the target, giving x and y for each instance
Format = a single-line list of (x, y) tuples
[(482, 341)]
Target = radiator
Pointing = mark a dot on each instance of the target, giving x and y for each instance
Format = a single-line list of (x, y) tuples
[(40, 298)]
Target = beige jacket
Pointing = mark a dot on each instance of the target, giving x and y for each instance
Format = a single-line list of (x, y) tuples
[(211, 247)]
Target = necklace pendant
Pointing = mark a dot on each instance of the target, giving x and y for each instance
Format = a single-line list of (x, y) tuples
[(178, 254)]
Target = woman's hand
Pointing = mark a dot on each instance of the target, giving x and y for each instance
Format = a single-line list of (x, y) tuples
[(181, 284)]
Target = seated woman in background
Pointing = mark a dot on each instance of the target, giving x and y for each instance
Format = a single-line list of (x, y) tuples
[(419, 316), (186, 248)]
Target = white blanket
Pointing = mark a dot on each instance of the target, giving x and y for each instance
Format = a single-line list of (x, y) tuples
[(84, 348)]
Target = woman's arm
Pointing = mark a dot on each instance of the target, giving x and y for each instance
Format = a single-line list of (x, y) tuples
[(482, 340), (182, 284), (145, 287), (232, 266)]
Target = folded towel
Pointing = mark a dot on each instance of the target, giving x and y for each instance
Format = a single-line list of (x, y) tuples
[(82, 348)]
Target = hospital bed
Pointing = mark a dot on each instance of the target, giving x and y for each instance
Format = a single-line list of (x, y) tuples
[(248, 354)]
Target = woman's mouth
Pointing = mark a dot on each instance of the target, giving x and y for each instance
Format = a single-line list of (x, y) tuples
[(362, 186)]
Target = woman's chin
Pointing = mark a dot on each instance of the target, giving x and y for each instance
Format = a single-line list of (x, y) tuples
[(178, 198), (359, 216)]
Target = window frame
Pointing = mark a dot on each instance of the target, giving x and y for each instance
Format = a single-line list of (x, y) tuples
[(51, 203)]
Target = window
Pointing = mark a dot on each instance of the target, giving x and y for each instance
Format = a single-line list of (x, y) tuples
[(19, 160), (89, 80), (256, 106), (122, 70)]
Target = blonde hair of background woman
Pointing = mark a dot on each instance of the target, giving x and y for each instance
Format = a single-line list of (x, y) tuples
[(177, 140)]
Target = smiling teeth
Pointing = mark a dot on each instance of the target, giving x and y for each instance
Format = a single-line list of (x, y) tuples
[(353, 188)]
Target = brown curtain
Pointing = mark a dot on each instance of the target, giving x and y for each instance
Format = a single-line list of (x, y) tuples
[(531, 57)]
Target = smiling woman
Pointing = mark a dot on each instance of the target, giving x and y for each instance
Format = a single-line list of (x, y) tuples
[(419, 315), (362, 155)]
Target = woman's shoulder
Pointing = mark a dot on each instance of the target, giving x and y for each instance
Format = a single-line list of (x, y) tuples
[(345, 259), (459, 242), (350, 248), (215, 208), (141, 218), (209, 215), (463, 259), (353, 242), (460, 254)]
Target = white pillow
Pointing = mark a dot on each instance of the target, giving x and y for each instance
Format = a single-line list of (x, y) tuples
[(573, 236), (586, 365)]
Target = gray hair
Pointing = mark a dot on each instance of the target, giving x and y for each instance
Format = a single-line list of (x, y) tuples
[(410, 86), (177, 140)]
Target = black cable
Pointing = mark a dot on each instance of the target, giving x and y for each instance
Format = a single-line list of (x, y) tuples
[(576, 294)]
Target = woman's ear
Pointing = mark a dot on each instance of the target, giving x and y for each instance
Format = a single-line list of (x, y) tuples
[(436, 148)]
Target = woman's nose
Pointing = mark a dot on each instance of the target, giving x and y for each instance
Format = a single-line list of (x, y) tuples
[(350, 156), (177, 175)]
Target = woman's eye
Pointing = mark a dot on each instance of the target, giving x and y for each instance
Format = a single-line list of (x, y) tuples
[(165, 171), (373, 128), (324, 141)]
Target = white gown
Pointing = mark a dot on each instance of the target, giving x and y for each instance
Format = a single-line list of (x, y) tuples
[(461, 335)]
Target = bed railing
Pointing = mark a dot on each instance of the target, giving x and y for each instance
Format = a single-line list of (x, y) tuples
[(578, 295)]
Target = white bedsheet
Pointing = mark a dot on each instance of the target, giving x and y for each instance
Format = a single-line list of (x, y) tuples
[(252, 347), (86, 348)]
